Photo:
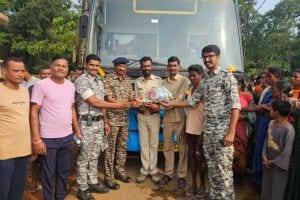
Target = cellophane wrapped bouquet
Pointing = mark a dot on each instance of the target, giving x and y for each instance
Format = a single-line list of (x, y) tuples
[(158, 94)]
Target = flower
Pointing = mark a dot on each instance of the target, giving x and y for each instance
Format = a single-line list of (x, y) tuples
[(101, 72), (231, 69)]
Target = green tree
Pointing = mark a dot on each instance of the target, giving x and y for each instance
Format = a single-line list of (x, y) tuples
[(40, 30), (65, 31), (249, 18), (295, 58), (271, 39), (12, 6)]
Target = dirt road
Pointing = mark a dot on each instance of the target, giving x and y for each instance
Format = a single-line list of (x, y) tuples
[(143, 191)]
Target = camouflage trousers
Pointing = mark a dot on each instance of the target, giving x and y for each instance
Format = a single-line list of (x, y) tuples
[(92, 143), (116, 152), (219, 163)]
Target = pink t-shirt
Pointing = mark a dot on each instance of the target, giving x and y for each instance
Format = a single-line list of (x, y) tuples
[(56, 107)]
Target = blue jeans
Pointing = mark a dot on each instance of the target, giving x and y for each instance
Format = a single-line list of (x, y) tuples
[(56, 166), (13, 174)]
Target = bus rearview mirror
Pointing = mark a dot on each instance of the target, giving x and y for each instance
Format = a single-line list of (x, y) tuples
[(83, 21)]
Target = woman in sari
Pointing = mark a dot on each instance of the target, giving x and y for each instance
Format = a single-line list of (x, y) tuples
[(273, 75), (241, 137)]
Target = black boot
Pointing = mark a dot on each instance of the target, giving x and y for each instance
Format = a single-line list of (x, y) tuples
[(98, 188), (84, 195)]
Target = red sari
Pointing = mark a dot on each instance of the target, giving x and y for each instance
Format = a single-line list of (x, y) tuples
[(241, 139)]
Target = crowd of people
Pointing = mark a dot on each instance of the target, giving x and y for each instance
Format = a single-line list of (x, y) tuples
[(225, 127)]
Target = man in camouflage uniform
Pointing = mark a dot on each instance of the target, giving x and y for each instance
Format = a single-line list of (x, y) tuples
[(118, 88), (92, 120), (219, 91)]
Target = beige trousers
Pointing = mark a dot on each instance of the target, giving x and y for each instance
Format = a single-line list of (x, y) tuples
[(171, 128), (148, 126)]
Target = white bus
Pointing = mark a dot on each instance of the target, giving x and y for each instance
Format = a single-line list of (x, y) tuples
[(160, 29), (163, 28)]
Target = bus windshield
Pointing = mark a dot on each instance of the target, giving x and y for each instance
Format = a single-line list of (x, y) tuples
[(164, 28)]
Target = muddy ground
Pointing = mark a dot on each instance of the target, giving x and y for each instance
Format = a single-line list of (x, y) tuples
[(143, 191)]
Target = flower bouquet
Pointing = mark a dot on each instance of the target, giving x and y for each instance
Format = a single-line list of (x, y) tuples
[(158, 94)]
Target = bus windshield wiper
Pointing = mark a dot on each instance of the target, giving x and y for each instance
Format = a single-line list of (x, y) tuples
[(133, 61)]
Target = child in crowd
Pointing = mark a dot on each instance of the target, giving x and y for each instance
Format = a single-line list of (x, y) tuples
[(272, 75), (295, 81), (259, 86), (277, 152), (281, 90), (194, 136)]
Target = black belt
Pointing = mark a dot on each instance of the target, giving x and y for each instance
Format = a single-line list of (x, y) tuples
[(94, 118)]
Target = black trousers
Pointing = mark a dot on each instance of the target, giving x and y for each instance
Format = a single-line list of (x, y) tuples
[(13, 174)]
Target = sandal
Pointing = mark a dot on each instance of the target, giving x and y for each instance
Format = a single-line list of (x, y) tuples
[(181, 183), (201, 194), (191, 192), (165, 180), (35, 188)]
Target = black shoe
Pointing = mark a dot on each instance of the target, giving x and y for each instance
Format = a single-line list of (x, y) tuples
[(84, 195), (111, 185), (98, 188), (124, 179)]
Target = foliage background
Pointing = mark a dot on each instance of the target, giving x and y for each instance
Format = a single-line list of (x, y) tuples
[(39, 29), (271, 39)]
